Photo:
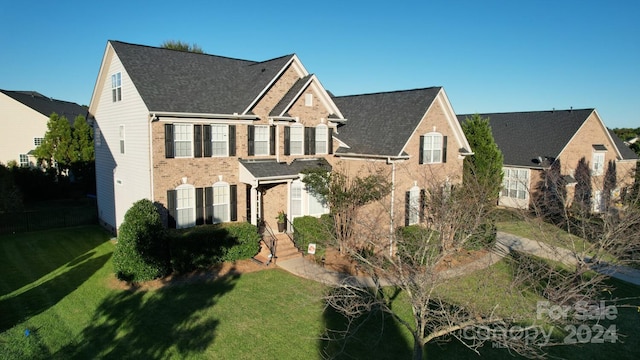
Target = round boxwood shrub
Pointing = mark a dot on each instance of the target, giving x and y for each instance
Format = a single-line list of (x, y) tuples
[(141, 252)]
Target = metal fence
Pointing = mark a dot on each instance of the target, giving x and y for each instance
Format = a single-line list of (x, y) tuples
[(11, 223)]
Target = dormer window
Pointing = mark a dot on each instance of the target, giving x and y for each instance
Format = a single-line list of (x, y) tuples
[(433, 148)]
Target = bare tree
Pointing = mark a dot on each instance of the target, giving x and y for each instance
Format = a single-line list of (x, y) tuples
[(565, 275)]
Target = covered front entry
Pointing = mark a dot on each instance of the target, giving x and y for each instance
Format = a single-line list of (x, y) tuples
[(270, 191)]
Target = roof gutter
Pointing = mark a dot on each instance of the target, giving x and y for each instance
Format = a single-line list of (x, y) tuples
[(155, 115), (375, 157)]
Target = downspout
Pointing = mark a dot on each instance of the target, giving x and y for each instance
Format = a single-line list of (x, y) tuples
[(391, 211)]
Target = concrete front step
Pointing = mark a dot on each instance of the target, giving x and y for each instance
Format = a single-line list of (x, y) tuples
[(284, 250)]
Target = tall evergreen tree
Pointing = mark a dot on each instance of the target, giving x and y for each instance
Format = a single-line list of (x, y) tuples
[(484, 168), (609, 184), (583, 189)]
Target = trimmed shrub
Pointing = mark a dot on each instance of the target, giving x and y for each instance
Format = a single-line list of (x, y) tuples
[(411, 238), (203, 246), (309, 229), (141, 252)]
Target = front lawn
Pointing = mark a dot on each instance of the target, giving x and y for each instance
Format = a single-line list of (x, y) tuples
[(59, 285)]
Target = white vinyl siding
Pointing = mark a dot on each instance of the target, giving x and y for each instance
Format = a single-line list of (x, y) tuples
[(221, 200), (261, 140), (134, 169), (219, 140), (183, 138)]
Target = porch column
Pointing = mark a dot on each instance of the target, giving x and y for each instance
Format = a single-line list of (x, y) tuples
[(254, 205)]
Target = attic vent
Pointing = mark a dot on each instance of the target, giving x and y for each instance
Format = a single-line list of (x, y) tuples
[(263, 70)]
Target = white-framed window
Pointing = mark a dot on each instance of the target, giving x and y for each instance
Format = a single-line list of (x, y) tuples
[(322, 138), (597, 165), (261, 140), (221, 202), (296, 198), (296, 140), (432, 148), (308, 99), (317, 204), (515, 183), (37, 141), (414, 205), (116, 87), (121, 137), (183, 139), (96, 136), (185, 206), (219, 140), (24, 160)]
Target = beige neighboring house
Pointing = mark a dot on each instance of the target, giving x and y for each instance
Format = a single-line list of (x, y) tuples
[(532, 141), (214, 139), (24, 123)]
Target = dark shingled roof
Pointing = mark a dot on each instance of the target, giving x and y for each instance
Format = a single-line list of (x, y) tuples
[(627, 154), (178, 81), (381, 123), (46, 106), (271, 168), (525, 136)]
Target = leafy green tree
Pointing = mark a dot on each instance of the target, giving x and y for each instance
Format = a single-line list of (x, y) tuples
[(181, 46), (345, 196), (141, 253), (83, 154), (57, 147), (484, 168)]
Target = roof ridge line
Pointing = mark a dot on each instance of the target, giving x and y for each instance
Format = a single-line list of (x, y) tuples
[(390, 92)]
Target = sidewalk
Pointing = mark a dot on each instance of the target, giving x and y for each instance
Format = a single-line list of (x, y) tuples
[(504, 244)]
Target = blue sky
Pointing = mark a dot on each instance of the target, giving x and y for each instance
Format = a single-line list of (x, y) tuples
[(490, 56)]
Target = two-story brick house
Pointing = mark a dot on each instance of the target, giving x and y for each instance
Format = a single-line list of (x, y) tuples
[(532, 141), (214, 139)]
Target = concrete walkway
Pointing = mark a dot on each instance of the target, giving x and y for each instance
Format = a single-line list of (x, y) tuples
[(504, 244)]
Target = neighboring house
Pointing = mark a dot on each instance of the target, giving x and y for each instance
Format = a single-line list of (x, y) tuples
[(214, 139), (24, 123), (532, 141)]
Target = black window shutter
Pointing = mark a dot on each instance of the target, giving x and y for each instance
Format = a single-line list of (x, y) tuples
[(309, 141), (407, 207), (233, 200), (232, 140), (171, 208), (444, 149), (197, 140), (250, 136), (199, 206), (168, 141), (423, 204), (330, 141), (421, 154), (208, 204), (206, 140), (272, 139), (287, 140)]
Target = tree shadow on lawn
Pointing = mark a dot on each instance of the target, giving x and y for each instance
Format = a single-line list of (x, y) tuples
[(40, 298), (171, 322)]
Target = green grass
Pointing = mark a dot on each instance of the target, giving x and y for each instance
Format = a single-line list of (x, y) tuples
[(58, 284)]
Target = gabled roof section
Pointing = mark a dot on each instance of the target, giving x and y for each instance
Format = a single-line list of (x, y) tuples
[(525, 137), (381, 123), (291, 96), (178, 81), (46, 105)]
